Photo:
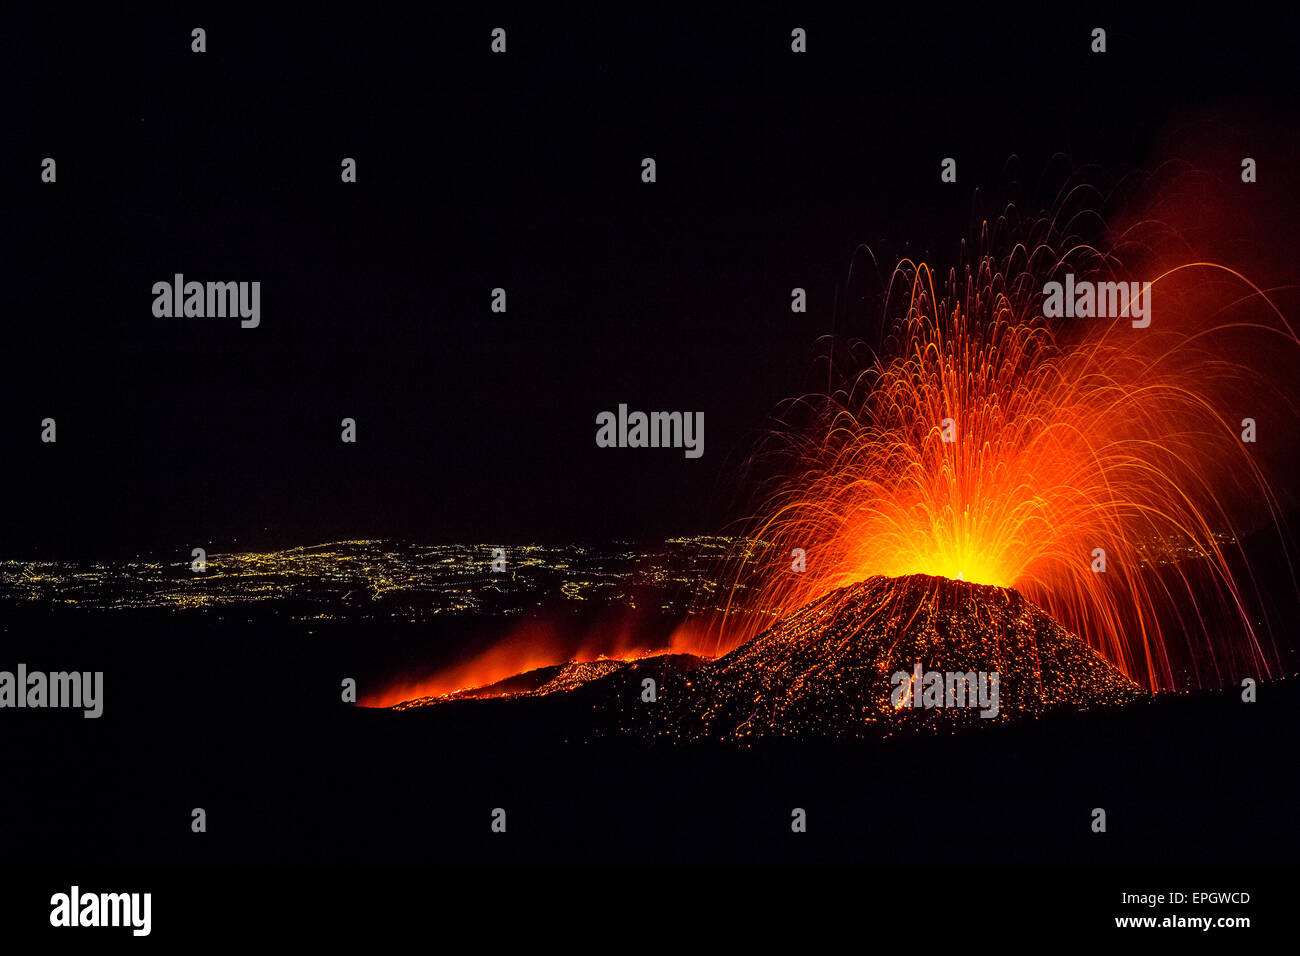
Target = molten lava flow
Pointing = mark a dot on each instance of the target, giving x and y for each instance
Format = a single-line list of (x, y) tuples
[(530, 646), (828, 670), (539, 643), (990, 446), (1098, 468)]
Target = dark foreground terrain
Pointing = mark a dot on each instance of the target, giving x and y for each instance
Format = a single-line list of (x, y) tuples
[(244, 720)]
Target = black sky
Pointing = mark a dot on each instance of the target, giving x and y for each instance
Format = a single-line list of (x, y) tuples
[(519, 171)]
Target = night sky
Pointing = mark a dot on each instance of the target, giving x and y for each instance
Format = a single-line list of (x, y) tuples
[(520, 171)]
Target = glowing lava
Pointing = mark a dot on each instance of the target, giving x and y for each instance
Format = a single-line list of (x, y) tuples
[(1098, 468), (1101, 470)]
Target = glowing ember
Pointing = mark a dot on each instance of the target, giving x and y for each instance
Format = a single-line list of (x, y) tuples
[(1098, 466), (988, 445), (825, 671)]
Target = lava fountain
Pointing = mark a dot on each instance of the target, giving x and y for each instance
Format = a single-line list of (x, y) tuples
[(1103, 470)]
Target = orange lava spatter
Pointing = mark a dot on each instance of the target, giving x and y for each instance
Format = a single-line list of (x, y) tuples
[(1099, 468), (826, 671)]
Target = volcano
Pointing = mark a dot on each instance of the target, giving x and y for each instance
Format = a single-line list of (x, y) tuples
[(830, 669), (827, 670)]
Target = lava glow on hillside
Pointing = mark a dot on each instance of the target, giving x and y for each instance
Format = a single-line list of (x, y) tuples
[(532, 646), (989, 444), (1098, 468), (825, 671)]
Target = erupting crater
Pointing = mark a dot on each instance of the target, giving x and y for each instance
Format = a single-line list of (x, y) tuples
[(828, 670)]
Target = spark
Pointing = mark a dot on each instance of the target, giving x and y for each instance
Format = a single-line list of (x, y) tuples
[(987, 444)]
